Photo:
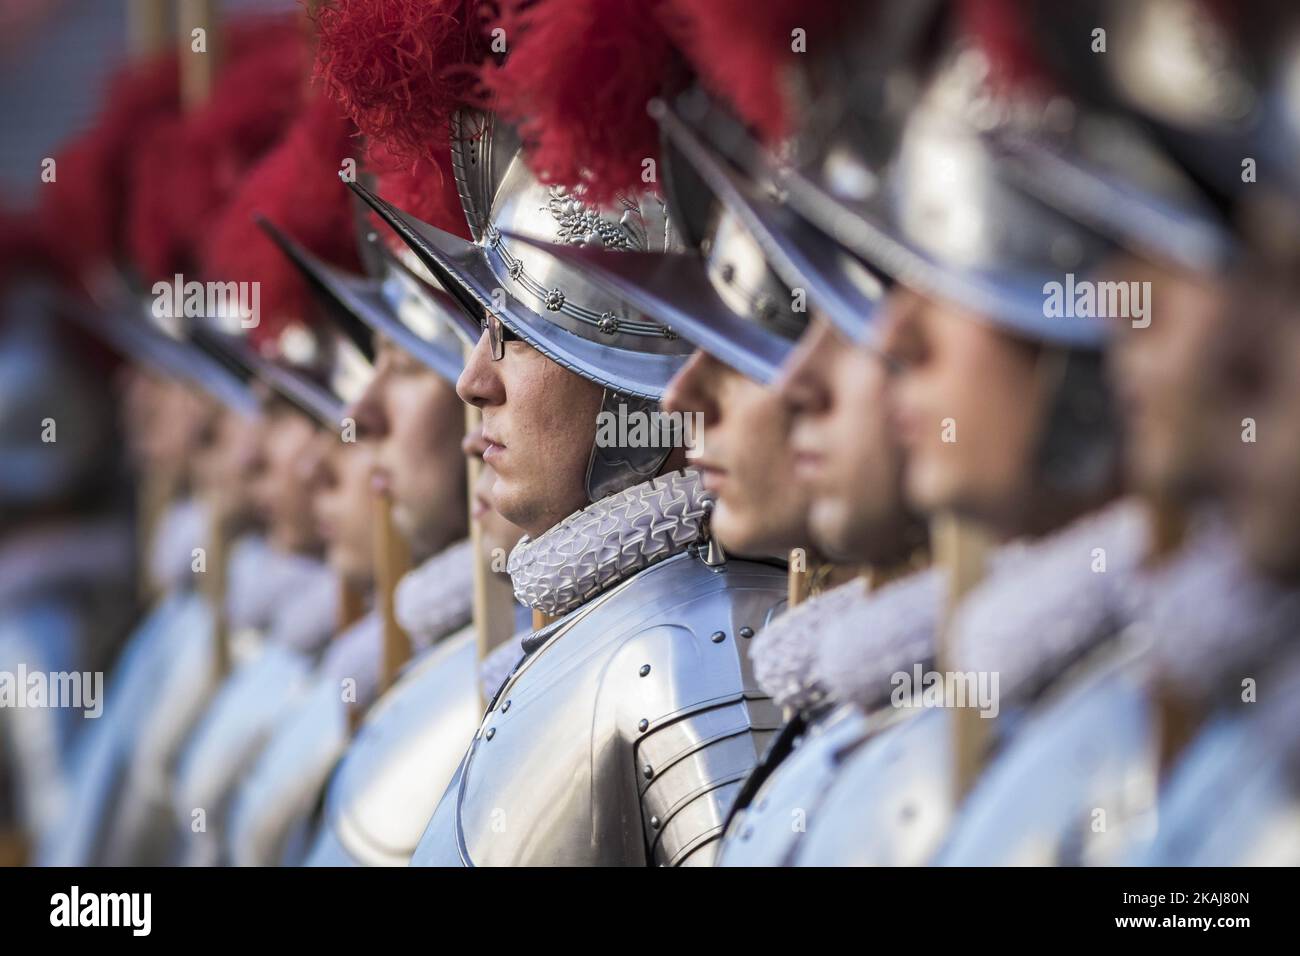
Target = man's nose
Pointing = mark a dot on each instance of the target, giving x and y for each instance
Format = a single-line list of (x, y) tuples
[(480, 383), (689, 390), (367, 410), (801, 384)]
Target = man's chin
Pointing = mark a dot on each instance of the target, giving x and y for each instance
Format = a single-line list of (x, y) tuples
[(509, 503), (830, 529), (739, 536)]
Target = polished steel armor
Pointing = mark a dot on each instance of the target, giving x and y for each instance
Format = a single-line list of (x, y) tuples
[(625, 734), (390, 780), (768, 831), (1076, 787)]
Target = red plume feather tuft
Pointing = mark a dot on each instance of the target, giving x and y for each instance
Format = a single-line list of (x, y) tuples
[(1000, 28), (82, 210), (296, 186), (576, 81), (740, 50), (400, 68), (426, 189), (186, 169), (26, 250)]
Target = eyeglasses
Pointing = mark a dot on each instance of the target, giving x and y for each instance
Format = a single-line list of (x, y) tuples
[(498, 335)]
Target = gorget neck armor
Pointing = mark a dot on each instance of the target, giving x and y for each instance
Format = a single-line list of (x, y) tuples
[(609, 541)]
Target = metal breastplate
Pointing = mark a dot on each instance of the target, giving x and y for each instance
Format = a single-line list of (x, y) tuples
[(1076, 787), (142, 829), (1227, 804), (98, 763), (273, 808), (391, 777), (624, 737), (1233, 797), (237, 724), (888, 804), (767, 832)]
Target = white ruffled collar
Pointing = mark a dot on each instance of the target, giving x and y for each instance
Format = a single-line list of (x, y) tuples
[(259, 578), (436, 598), (93, 550), (1047, 602), (843, 646), (892, 630), (1213, 621), (182, 528), (308, 615), (609, 541)]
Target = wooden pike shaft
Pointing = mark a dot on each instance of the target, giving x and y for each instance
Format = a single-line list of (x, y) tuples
[(157, 488), (800, 578), (962, 550), (216, 586), (147, 30), (392, 560), (197, 68), (147, 27), (352, 604)]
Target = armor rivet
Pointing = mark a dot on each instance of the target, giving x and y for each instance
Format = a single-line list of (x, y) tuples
[(645, 669), (555, 300), (648, 771), (609, 323), (654, 823), (516, 269), (728, 273), (643, 725), (718, 637), (747, 632), (505, 706), (491, 732)]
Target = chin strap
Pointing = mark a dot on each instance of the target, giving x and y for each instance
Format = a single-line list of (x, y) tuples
[(633, 440)]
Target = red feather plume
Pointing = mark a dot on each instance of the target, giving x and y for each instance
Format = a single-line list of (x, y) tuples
[(296, 186), (187, 168), (576, 80), (1001, 29), (400, 68), (426, 189), (740, 50), (82, 211)]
